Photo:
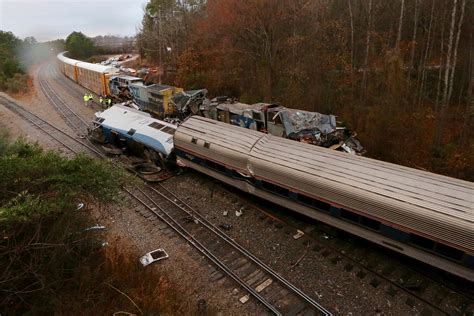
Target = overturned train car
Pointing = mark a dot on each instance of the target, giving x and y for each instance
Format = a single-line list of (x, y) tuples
[(423, 215), (138, 131)]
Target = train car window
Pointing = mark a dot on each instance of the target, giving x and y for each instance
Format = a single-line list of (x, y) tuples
[(194, 140), (282, 191), (156, 125), (449, 252), (168, 130), (207, 145), (215, 166), (349, 215), (275, 188), (322, 205), (305, 199), (131, 131), (370, 223), (422, 241), (268, 186)]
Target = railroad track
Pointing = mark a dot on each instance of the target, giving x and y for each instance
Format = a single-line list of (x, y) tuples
[(260, 282), (277, 294), (440, 292), (72, 119), (79, 144)]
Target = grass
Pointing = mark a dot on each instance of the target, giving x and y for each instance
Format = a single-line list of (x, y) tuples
[(49, 263)]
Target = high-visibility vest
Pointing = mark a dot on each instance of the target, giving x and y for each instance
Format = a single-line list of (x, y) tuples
[(109, 101), (86, 97), (101, 100)]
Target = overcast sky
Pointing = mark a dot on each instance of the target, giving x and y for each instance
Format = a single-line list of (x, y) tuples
[(51, 19)]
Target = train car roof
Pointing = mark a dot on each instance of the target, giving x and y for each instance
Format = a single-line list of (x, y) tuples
[(139, 126), (428, 203), (88, 66), (67, 60), (238, 139)]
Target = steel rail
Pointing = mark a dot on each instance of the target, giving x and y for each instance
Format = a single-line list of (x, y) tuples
[(49, 92), (18, 108), (178, 228), (218, 232)]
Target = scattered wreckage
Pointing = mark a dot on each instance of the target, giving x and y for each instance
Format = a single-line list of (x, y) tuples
[(153, 256), (164, 101), (304, 126), (146, 143)]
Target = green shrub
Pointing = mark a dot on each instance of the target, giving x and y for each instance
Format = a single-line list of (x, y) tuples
[(17, 83)]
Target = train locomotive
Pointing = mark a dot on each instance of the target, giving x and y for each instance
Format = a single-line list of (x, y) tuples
[(423, 215)]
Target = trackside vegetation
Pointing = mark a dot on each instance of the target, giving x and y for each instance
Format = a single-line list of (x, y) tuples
[(50, 263)]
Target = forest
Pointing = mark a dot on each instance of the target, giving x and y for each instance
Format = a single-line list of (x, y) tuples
[(400, 73)]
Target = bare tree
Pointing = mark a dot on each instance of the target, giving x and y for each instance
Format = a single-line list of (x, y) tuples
[(400, 25), (427, 52), (445, 101), (352, 33), (440, 73), (367, 48), (413, 39), (461, 17)]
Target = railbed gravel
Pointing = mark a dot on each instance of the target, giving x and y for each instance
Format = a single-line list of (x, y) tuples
[(320, 274)]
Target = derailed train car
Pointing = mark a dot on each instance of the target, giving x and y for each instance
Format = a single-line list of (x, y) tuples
[(423, 215), (137, 130)]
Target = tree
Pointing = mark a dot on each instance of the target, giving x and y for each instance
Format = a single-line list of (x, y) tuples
[(9, 61), (79, 45)]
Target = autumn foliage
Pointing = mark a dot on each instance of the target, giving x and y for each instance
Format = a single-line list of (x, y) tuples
[(381, 66)]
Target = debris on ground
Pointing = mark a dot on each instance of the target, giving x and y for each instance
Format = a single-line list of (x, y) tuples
[(80, 206), (262, 286), (298, 234), (201, 305), (239, 212), (153, 256), (225, 226), (95, 227)]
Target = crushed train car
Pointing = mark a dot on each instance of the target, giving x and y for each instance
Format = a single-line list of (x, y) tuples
[(155, 98), (304, 126)]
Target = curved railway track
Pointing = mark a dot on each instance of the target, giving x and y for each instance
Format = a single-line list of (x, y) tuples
[(64, 139), (260, 282)]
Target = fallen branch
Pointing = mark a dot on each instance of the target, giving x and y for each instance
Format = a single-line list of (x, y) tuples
[(302, 256), (126, 297)]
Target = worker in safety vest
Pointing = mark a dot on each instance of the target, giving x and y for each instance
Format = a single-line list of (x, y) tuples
[(91, 97), (86, 99), (109, 102), (101, 100)]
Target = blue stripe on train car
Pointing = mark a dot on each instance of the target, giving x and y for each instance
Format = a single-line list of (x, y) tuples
[(293, 196), (335, 211)]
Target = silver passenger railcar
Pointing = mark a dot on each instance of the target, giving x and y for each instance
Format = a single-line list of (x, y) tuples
[(420, 214)]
